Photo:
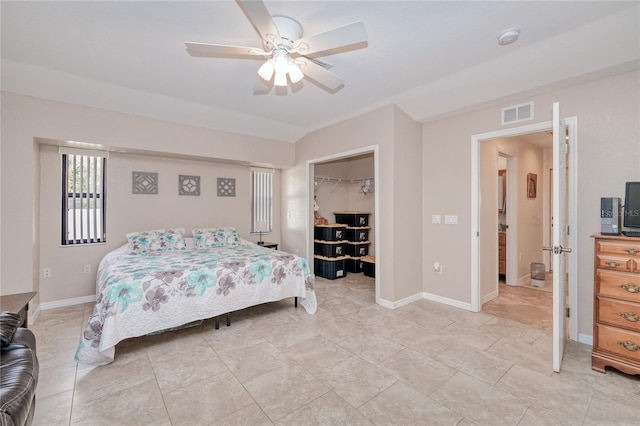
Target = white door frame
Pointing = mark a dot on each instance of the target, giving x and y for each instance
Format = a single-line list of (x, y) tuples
[(572, 124), (310, 186)]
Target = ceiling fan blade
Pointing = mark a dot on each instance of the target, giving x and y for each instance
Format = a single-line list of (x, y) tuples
[(338, 37), (261, 19), (221, 50), (320, 75)]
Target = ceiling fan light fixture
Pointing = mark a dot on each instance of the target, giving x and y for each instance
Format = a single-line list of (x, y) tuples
[(281, 79), (266, 70), (295, 74), (281, 61)]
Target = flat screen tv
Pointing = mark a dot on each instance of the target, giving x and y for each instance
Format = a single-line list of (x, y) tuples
[(632, 205)]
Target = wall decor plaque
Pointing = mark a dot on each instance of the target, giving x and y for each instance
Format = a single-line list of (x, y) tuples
[(144, 183), (188, 185), (226, 187)]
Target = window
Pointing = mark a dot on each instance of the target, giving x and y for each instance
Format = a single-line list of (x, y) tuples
[(83, 196), (262, 200)]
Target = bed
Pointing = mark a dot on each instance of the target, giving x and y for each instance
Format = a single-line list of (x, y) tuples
[(158, 281)]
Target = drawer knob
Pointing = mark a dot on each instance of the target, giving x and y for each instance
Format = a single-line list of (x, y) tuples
[(632, 251), (611, 263), (631, 288), (630, 346), (630, 316)]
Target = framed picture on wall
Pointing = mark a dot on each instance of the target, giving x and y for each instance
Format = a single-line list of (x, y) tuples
[(532, 185)]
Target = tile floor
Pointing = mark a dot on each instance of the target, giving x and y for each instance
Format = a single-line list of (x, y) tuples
[(353, 362)]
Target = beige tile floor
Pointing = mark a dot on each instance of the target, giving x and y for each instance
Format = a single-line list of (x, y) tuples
[(353, 362)]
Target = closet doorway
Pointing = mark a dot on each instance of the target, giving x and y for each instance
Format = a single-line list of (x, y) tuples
[(346, 182)]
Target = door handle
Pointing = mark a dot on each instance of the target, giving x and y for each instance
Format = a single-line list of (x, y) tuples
[(557, 249)]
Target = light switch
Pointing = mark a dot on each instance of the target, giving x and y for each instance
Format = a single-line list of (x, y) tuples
[(450, 220), (435, 218)]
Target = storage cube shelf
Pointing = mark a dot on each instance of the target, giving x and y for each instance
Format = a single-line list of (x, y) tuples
[(331, 232), (352, 218), (330, 267), (329, 248)]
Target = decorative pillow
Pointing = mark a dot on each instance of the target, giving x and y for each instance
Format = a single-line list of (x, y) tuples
[(9, 321), (231, 236), (207, 238), (173, 239), (146, 241)]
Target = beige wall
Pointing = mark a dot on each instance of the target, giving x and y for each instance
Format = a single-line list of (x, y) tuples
[(608, 112), (26, 118)]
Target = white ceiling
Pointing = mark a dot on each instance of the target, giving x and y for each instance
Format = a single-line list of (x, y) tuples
[(433, 59)]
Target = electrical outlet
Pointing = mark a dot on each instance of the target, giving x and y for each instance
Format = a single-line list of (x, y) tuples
[(47, 273), (87, 269)]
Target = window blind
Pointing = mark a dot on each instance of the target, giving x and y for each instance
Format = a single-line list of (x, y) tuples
[(262, 199), (83, 196)]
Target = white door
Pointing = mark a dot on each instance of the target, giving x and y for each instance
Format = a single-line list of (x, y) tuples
[(559, 243)]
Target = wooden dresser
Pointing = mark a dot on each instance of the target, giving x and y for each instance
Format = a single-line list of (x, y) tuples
[(616, 305)]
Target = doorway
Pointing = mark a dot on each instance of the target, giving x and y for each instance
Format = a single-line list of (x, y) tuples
[(363, 192), (516, 291), (476, 269)]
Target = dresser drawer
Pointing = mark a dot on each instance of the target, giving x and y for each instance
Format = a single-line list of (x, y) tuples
[(617, 341), (622, 314), (631, 248), (619, 285), (616, 263)]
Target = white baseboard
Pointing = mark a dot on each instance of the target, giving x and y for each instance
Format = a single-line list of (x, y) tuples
[(587, 339), (447, 301), (67, 302), (489, 297), (420, 296), (524, 280), (385, 303), (402, 302)]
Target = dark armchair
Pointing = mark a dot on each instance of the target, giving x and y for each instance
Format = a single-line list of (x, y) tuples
[(18, 371)]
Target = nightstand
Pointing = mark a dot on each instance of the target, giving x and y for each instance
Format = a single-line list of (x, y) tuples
[(267, 244)]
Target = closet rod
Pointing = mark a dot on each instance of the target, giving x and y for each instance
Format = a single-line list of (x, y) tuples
[(339, 180)]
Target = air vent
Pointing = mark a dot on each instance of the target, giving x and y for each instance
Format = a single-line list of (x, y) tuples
[(516, 113)]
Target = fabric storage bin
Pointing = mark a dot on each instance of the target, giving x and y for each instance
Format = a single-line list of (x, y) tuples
[(329, 248), (360, 233), (369, 266), (330, 267), (331, 232), (357, 249), (353, 218), (354, 265)]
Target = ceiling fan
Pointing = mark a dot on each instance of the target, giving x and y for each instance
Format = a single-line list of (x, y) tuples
[(286, 51)]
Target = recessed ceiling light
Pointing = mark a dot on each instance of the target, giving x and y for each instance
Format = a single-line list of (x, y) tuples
[(508, 36)]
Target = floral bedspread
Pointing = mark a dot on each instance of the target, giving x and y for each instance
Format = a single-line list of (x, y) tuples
[(140, 294)]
